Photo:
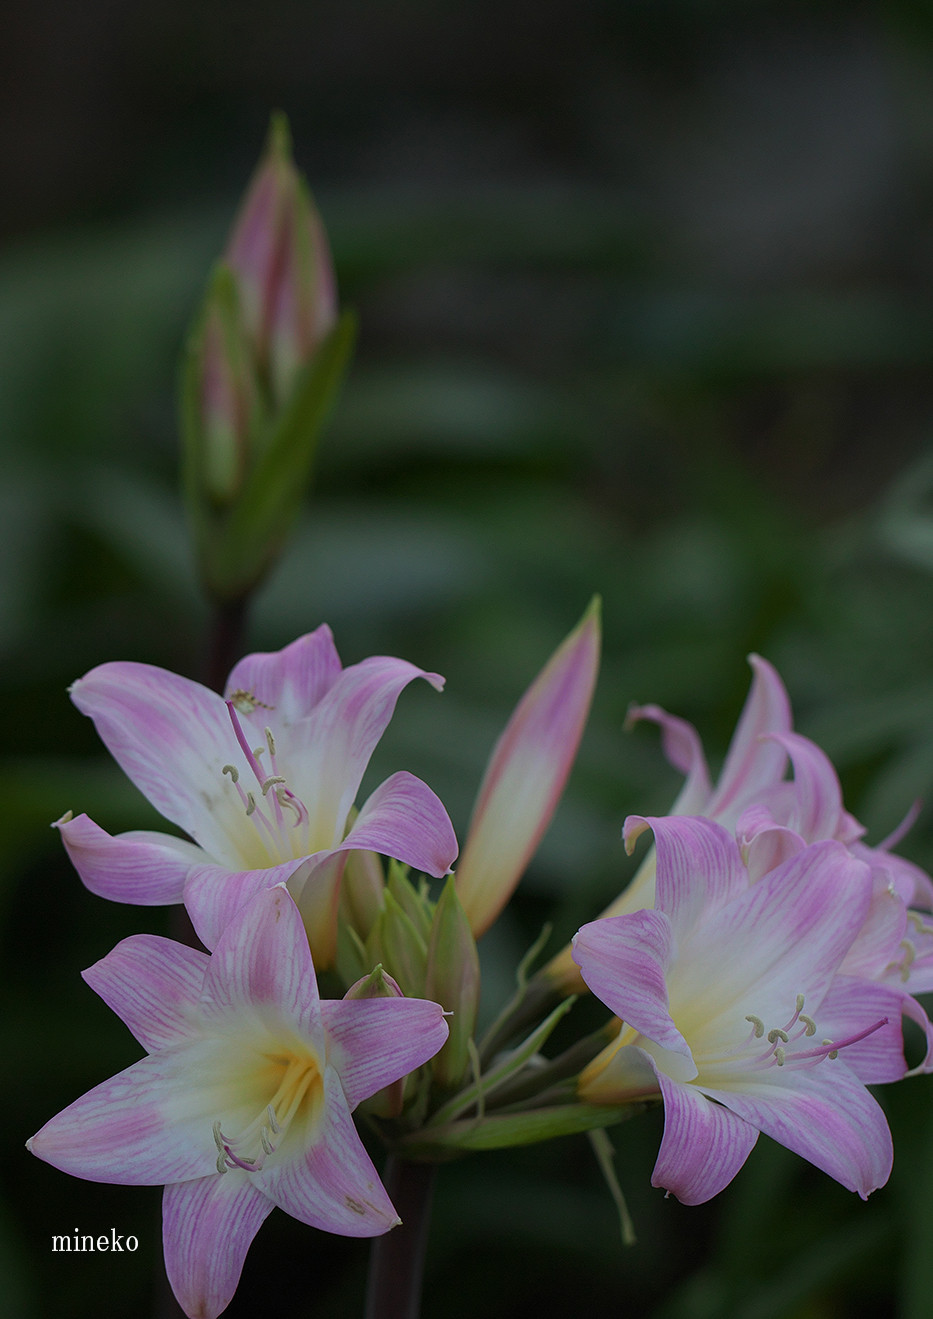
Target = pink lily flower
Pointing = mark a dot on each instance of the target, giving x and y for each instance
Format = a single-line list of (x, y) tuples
[(735, 1013), (751, 766), (244, 1099), (775, 818), (263, 781), (526, 775)]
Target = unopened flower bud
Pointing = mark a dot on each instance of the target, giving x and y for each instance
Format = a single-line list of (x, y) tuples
[(526, 774), (263, 364), (378, 984), (279, 253), (453, 980)]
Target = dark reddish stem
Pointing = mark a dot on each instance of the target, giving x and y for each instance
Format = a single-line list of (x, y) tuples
[(225, 641), (396, 1261)]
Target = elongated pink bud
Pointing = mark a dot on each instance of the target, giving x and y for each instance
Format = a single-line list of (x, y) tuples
[(526, 774), (279, 253)]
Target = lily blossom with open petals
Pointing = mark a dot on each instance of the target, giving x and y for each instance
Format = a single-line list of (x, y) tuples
[(735, 1015), (774, 817), (244, 1099), (262, 780), (526, 774)]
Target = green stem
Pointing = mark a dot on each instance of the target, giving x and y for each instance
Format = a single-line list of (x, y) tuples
[(396, 1261)]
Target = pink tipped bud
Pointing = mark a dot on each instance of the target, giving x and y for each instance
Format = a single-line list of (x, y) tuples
[(378, 984), (279, 253), (526, 775)]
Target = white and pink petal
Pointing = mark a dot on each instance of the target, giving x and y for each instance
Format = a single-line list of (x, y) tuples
[(373, 1042), (262, 962), (208, 1226), (154, 985), (825, 1115), (624, 960), (405, 819), (141, 867), (146, 1126), (704, 1144), (332, 1185), (286, 685), (172, 737)]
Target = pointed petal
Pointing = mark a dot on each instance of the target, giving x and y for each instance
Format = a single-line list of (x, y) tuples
[(849, 1007), (526, 775), (262, 960), (290, 682), (327, 753), (213, 894), (333, 1185), (149, 1125), (684, 750), (172, 737), (786, 935), (623, 959), (825, 1115), (880, 940), (916, 1012), (375, 1041), (315, 888), (404, 819), (141, 867), (703, 1147), (207, 1227), (153, 985), (913, 884), (816, 810), (765, 844), (698, 867), (753, 765)]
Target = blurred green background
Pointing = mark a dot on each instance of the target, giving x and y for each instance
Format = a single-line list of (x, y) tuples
[(645, 303)]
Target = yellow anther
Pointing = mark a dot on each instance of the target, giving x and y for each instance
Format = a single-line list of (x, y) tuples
[(809, 1023), (250, 803), (777, 1034), (758, 1024), (232, 771), (270, 741), (270, 782), (779, 1056)]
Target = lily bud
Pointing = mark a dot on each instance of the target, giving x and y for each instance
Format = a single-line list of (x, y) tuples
[(526, 775), (388, 1102), (361, 891), (279, 253), (227, 392), (264, 360), (453, 980), (378, 984), (395, 941)]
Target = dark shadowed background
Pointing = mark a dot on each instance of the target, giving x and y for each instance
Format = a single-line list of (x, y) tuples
[(645, 304)]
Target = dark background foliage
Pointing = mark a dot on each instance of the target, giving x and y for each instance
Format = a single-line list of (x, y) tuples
[(644, 292)]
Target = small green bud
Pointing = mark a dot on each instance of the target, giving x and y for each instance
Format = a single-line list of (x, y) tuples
[(453, 980)]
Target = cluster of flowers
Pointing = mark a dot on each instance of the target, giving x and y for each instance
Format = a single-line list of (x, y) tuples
[(760, 964)]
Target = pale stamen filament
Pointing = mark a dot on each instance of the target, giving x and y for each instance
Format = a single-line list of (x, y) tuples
[(286, 810), (241, 1151), (780, 1051)]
